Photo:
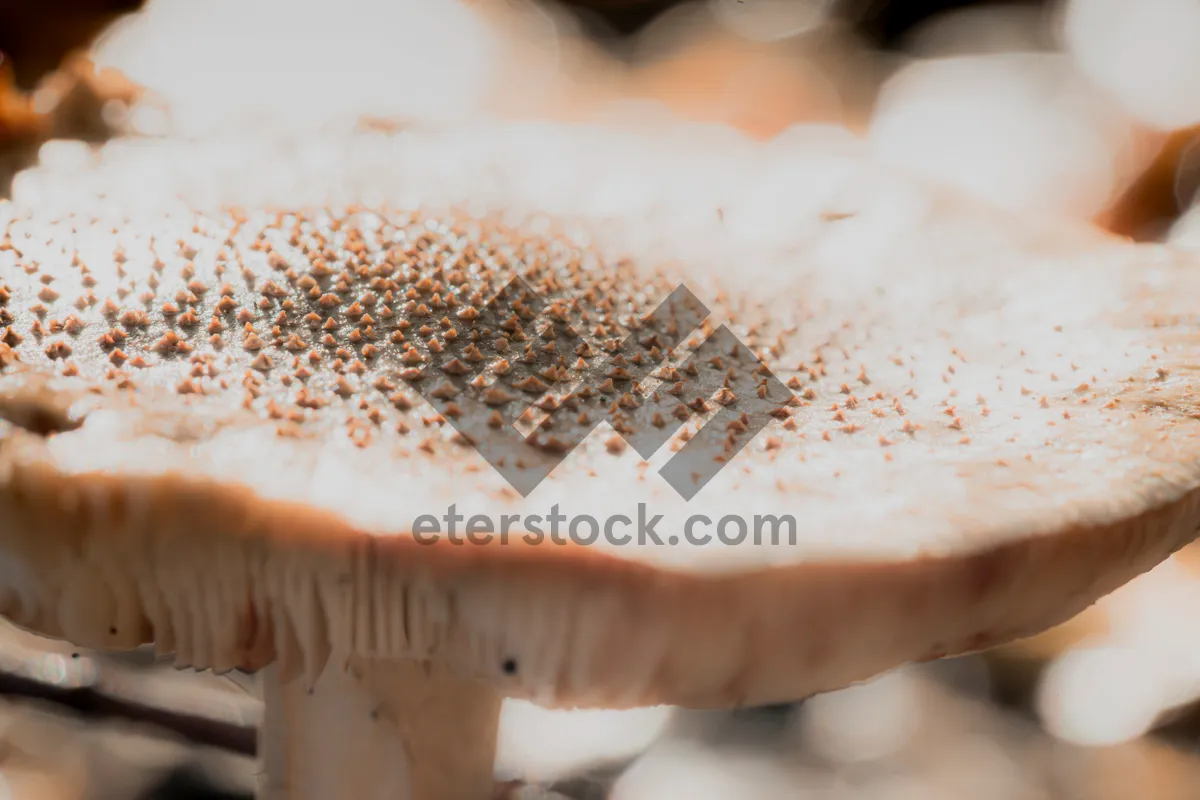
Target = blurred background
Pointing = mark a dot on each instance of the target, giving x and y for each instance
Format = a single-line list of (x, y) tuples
[(1088, 110)]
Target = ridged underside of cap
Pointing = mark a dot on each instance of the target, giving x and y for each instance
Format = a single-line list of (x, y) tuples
[(224, 580)]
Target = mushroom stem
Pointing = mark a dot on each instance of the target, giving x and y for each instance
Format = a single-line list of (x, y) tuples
[(378, 731)]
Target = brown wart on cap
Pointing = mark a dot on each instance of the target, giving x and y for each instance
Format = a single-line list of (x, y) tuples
[(250, 507)]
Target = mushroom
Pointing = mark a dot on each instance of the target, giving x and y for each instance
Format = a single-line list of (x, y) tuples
[(982, 428)]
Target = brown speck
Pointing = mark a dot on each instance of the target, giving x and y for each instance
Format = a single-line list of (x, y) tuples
[(48, 295), (472, 353), (400, 400), (169, 343), (556, 445), (619, 374), (531, 384), (252, 342), (135, 318), (445, 391), (59, 349)]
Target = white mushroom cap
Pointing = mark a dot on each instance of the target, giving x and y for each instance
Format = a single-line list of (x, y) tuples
[(992, 424)]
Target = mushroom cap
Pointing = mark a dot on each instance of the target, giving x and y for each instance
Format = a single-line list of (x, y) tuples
[(213, 436)]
